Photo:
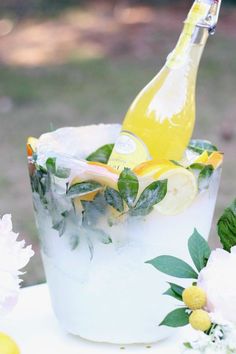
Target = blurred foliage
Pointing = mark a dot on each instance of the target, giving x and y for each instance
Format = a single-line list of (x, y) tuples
[(24, 8), (21, 8)]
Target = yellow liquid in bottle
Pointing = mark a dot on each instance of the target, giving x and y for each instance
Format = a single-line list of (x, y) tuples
[(163, 115), (160, 121)]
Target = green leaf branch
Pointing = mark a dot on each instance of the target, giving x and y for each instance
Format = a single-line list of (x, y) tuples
[(199, 251)]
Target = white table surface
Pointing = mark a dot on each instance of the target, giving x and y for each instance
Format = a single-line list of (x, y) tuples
[(34, 327)]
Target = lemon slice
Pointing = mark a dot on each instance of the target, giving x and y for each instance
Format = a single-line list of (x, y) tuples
[(31, 145), (181, 191), (181, 188), (215, 159), (97, 172), (153, 168), (8, 345), (202, 158)]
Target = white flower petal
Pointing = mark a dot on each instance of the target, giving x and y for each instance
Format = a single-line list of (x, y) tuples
[(13, 256), (5, 223), (217, 279)]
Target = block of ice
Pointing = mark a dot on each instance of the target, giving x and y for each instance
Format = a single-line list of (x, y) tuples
[(77, 142)]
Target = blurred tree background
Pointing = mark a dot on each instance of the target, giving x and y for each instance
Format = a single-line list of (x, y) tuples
[(68, 63)]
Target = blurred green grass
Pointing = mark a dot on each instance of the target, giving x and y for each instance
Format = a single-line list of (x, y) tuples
[(84, 92)]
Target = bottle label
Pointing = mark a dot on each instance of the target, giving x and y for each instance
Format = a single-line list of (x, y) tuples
[(129, 151)]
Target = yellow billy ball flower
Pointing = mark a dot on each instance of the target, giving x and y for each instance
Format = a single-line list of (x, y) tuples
[(200, 320), (8, 345), (194, 298)]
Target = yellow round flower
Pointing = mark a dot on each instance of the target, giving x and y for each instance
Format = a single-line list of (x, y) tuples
[(8, 345), (200, 320), (194, 298)]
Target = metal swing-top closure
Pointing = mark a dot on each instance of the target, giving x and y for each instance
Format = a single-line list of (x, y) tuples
[(211, 19)]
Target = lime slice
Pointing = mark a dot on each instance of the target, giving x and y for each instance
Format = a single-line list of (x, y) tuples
[(181, 191)]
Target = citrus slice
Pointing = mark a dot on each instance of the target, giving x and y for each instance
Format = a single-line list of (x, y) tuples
[(31, 145), (97, 172), (8, 345), (215, 159), (181, 191), (153, 168), (181, 188), (202, 158)]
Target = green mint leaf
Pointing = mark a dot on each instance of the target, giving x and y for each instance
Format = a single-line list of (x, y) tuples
[(197, 166), (60, 227), (114, 199), (226, 227), (140, 211), (205, 177), (60, 172), (82, 188), (188, 345), (200, 146), (177, 289), (93, 210), (151, 196), (173, 266), (102, 154), (128, 186), (171, 293), (102, 236), (51, 165), (74, 241), (176, 318), (176, 163), (199, 250)]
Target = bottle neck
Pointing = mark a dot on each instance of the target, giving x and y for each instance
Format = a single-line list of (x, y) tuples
[(191, 45), (192, 40)]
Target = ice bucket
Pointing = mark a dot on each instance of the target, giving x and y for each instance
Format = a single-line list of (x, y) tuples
[(101, 287)]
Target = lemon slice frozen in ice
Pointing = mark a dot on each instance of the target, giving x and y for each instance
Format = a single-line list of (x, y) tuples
[(215, 159), (181, 188), (96, 172), (181, 191), (31, 145)]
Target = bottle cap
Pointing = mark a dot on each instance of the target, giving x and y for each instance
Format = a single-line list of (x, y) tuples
[(211, 19)]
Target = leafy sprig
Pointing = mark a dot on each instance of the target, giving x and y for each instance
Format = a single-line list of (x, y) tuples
[(128, 186), (200, 146), (199, 251), (205, 173)]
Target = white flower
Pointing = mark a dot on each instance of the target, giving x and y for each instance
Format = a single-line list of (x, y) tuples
[(218, 280), (13, 257), (220, 341)]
